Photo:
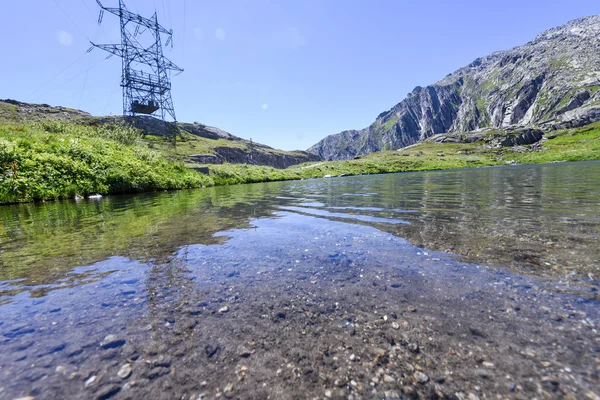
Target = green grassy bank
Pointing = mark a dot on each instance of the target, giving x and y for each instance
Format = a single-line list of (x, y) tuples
[(56, 160)]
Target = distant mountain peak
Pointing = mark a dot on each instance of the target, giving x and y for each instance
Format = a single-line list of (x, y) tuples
[(552, 81)]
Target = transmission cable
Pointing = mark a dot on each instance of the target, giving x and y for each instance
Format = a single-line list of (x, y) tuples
[(76, 76), (184, 31), (70, 19), (87, 8), (55, 76), (87, 72)]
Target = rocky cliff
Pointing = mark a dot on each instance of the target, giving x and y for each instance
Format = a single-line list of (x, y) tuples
[(551, 82)]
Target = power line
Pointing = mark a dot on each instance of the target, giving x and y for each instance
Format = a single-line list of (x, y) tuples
[(109, 99), (84, 83), (76, 76), (55, 76), (70, 19), (184, 32), (87, 8)]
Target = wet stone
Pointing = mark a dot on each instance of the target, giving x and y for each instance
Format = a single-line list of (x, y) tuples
[(244, 352), (90, 381), (107, 392), (211, 350), (421, 377), (111, 342), (124, 371), (157, 372), (223, 309), (484, 373), (413, 347)]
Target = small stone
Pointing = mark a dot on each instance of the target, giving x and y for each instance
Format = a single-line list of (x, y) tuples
[(245, 353), (223, 309), (25, 398), (352, 357), (484, 373), (404, 324), (90, 381), (411, 309), (413, 347), (61, 369), (211, 350), (389, 379), (421, 377), (394, 315), (395, 325), (111, 342), (391, 394), (125, 371), (328, 394), (473, 396), (592, 396), (488, 364), (378, 352), (353, 383), (107, 392)]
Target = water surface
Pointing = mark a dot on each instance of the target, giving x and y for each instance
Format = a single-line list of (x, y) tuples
[(185, 284)]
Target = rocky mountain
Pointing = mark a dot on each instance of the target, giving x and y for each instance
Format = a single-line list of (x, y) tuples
[(550, 82), (219, 146)]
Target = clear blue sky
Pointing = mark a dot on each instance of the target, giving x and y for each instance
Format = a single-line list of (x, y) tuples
[(283, 72)]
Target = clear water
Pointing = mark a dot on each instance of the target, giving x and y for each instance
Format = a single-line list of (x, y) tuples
[(72, 272)]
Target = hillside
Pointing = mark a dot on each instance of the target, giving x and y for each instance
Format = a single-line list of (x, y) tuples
[(197, 144), (549, 83)]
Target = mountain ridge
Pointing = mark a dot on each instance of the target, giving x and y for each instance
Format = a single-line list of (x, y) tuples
[(551, 82)]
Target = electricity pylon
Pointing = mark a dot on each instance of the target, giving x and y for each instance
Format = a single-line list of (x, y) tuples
[(145, 75)]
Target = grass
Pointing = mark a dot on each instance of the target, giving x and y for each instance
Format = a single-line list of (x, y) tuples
[(567, 145), (53, 160), (48, 161)]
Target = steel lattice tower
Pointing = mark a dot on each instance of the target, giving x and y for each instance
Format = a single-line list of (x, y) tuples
[(145, 75)]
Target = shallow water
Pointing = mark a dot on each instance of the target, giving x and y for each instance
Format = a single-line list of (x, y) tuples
[(297, 263)]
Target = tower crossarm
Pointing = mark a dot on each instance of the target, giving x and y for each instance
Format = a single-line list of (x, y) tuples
[(147, 56), (128, 16), (116, 49)]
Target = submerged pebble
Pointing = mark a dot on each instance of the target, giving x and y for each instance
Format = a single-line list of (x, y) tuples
[(125, 371)]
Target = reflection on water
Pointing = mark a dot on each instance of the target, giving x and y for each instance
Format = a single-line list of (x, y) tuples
[(181, 286), (538, 219)]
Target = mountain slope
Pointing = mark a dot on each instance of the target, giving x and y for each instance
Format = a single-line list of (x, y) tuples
[(196, 144), (551, 82)]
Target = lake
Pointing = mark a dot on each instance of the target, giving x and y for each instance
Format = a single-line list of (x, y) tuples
[(467, 283)]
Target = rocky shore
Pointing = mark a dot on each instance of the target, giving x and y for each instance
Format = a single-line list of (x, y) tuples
[(360, 315)]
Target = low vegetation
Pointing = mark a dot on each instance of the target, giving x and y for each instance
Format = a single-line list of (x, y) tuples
[(55, 160)]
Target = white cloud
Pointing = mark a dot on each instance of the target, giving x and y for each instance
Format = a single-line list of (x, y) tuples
[(220, 34), (265, 106), (198, 34), (64, 38)]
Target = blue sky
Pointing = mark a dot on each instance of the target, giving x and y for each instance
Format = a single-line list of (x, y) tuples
[(285, 73)]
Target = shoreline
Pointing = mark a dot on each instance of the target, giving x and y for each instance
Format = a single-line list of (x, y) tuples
[(111, 162)]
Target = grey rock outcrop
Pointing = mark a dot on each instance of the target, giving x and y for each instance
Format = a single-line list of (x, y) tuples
[(253, 156), (551, 82)]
